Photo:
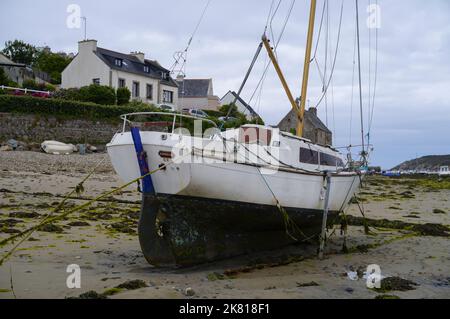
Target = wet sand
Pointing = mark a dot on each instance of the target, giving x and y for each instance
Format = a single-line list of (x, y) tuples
[(102, 240)]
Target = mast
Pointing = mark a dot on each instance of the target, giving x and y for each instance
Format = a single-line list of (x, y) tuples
[(280, 73), (309, 43)]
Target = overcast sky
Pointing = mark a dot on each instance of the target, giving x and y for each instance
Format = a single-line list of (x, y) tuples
[(412, 106)]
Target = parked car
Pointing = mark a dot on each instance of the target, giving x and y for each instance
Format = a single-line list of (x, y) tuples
[(166, 107), (195, 113), (230, 119)]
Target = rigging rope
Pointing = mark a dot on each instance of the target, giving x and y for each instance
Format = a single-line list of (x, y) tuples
[(182, 55), (360, 84), (264, 74), (335, 57), (375, 78)]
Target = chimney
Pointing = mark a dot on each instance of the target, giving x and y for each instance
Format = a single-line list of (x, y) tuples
[(313, 110), (139, 55), (87, 46)]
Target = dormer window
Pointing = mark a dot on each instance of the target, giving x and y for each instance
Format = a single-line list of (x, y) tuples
[(146, 69), (118, 62)]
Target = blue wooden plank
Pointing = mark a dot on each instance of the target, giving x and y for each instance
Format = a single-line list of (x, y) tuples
[(147, 183)]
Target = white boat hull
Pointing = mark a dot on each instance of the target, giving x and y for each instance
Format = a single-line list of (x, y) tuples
[(207, 210)]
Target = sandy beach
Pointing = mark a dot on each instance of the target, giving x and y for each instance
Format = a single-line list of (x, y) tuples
[(102, 240)]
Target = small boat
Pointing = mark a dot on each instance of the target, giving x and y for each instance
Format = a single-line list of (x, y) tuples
[(57, 148)]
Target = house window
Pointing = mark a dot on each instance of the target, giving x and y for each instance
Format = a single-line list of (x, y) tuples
[(136, 90), (121, 83), (118, 62), (96, 81), (167, 96), (149, 91), (146, 69)]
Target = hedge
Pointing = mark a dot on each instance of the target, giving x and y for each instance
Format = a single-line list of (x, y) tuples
[(65, 108)]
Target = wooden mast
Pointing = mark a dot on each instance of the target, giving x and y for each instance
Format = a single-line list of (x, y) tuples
[(280, 73), (309, 42)]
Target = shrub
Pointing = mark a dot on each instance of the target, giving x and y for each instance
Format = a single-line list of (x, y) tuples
[(30, 84), (68, 94), (98, 94), (123, 96), (64, 108), (13, 84), (213, 113), (3, 78)]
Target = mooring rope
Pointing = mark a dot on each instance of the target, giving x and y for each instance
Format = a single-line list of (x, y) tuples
[(51, 219)]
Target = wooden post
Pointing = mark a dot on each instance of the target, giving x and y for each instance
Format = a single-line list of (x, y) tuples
[(325, 215)]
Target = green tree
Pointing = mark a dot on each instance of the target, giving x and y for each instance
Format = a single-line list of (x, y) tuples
[(52, 63), (225, 109), (123, 96), (20, 52)]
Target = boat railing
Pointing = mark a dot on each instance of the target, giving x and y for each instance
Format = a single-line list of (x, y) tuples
[(126, 118)]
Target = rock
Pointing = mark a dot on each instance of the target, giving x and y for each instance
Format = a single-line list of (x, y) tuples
[(189, 292), (349, 290), (13, 143)]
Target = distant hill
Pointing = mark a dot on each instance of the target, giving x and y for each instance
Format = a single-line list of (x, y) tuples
[(426, 163)]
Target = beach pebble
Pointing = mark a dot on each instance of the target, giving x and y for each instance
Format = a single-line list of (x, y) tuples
[(189, 292)]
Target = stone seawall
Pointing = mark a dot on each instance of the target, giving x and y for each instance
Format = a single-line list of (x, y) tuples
[(38, 128)]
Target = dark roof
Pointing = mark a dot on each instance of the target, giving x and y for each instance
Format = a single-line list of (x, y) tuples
[(193, 87), (311, 116), (132, 64), (248, 107)]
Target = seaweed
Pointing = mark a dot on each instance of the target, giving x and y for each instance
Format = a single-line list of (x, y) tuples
[(396, 284)]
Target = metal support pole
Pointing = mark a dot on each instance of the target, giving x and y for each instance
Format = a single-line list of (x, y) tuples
[(325, 215)]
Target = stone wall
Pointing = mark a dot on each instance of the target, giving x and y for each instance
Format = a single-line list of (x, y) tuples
[(38, 128)]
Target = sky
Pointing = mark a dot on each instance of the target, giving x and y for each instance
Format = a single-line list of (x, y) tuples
[(411, 110)]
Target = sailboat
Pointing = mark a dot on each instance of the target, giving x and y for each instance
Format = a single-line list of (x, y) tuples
[(224, 193)]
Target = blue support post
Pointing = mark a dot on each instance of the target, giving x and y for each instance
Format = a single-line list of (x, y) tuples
[(147, 183)]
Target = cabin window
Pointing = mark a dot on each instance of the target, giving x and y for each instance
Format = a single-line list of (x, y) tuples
[(121, 83), (118, 62), (330, 160), (167, 96), (96, 81), (309, 156), (150, 91), (135, 92), (255, 135)]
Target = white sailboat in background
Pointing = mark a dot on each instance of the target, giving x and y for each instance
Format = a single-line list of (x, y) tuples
[(227, 193)]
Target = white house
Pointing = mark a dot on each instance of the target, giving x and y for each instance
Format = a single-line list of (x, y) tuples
[(147, 80), (197, 94), (242, 106)]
